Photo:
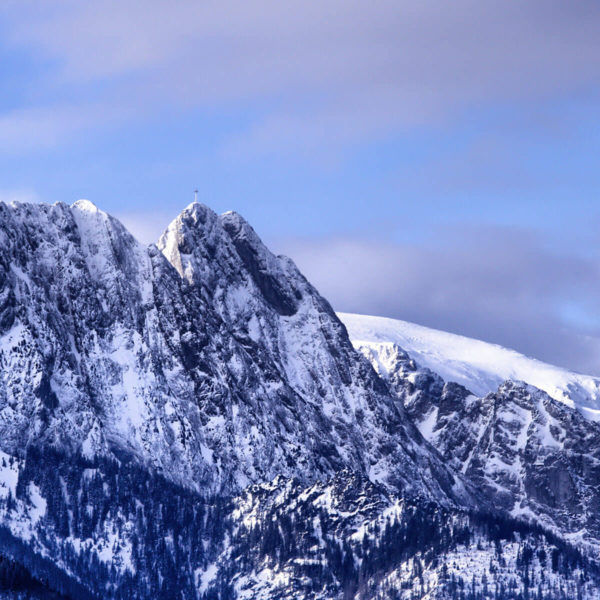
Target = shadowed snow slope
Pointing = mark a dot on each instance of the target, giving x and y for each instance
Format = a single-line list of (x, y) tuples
[(479, 366)]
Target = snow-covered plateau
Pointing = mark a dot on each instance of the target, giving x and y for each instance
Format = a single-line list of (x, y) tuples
[(479, 366)]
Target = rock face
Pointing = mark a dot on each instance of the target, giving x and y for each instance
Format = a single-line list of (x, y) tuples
[(297, 370), (209, 359), (532, 456), (91, 345)]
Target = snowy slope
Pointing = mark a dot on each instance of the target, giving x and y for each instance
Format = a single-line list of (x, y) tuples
[(479, 366), (532, 456)]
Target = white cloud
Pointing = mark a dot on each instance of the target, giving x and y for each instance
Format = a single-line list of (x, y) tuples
[(332, 72)]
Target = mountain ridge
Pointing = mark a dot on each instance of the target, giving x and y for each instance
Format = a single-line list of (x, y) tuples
[(183, 363), (477, 365), (532, 456)]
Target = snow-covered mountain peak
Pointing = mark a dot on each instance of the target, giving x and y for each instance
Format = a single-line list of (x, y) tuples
[(192, 420), (85, 205), (203, 246), (292, 332), (207, 357), (531, 455)]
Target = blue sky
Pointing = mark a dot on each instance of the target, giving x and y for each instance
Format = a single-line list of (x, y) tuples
[(431, 161)]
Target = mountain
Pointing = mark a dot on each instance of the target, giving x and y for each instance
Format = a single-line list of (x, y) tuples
[(479, 366), (532, 456), (206, 363), (191, 420), (295, 368), (219, 366)]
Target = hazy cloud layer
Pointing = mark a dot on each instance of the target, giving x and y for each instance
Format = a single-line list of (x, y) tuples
[(497, 284), (333, 72)]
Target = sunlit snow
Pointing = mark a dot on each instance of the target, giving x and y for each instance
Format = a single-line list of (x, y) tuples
[(480, 366)]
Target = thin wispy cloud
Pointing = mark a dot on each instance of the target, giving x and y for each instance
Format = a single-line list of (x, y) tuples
[(334, 72)]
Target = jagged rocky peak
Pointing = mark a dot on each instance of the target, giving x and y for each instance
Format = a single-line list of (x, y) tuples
[(54, 255), (324, 391), (75, 284), (210, 360), (267, 303), (202, 246), (234, 442)]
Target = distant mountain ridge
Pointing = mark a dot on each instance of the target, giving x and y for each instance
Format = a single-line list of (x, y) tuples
[(479, 366)]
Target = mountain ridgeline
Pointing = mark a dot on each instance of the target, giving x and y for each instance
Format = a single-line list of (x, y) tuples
[(191, 420)]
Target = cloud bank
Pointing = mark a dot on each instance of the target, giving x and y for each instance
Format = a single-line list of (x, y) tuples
[(312, 78), (333, 73)]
